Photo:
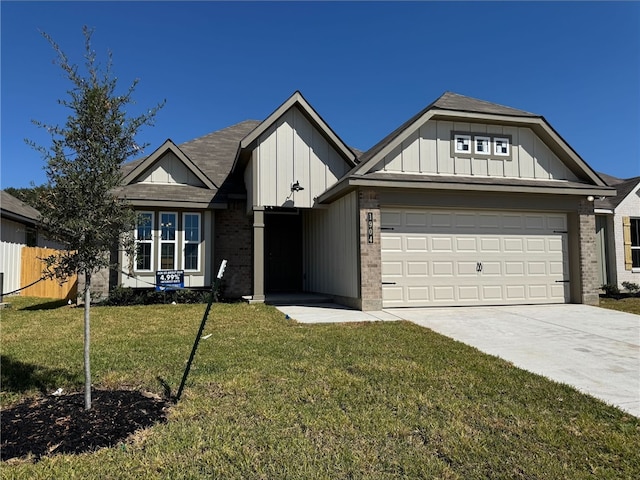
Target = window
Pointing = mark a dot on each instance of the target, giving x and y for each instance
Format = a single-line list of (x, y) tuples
[(501, 147), (635, 242), (191, 227), (482, 145), (144, 241), (462, 143), (168, 226), (31, 237)]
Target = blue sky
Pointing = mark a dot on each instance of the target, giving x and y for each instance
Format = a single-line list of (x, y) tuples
[(366, 67)]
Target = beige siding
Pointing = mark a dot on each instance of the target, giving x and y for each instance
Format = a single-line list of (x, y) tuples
[(170, 170), (292, 150), (331, 248), (428, 151)]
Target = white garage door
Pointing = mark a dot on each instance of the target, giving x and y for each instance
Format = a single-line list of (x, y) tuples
[(465, 257)]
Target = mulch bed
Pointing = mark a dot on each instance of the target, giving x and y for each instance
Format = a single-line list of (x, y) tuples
[(50, 425)]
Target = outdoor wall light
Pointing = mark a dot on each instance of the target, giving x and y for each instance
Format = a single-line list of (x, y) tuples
[(296, 187), (590, 198)]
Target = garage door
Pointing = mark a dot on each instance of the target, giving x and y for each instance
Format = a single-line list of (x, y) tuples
[(468, 257)]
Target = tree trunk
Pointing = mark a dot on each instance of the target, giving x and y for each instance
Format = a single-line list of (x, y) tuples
[(87, 338)]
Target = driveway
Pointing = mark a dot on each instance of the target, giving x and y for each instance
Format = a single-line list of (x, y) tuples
[(593, 349)]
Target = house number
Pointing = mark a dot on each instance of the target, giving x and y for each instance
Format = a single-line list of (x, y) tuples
[(370, 227)]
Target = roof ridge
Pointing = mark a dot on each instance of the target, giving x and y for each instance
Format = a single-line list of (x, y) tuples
[(441, 102)]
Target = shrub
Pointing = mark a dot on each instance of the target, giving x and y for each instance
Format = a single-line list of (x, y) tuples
[(121, 296), (631, 287), (610, 289)]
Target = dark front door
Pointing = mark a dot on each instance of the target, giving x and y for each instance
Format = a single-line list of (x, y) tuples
[(283, 252)]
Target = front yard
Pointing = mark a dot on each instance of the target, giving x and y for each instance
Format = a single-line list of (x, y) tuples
[(270, 398)]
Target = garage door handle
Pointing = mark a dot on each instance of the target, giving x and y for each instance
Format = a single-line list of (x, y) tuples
[(562, 281), (388, 283)]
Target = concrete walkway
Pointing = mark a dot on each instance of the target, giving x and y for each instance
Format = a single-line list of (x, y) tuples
[(593, 349)]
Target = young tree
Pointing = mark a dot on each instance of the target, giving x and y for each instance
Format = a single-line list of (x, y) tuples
[(79, 206)]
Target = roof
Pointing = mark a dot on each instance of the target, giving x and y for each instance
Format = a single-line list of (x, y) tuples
[(461, 103), (16, 209), (623, 189), (213, 154), (461, 183)]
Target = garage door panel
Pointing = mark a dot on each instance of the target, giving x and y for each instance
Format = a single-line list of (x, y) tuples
[(416, 244), (473, 258), (442, 244), (466, 244), (442, 269)]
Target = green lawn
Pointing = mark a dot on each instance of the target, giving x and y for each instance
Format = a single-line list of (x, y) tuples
[(629, 304), (270, 398)]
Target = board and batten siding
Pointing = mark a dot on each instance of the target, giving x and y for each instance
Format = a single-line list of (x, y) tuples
[(331, 248), (428, 151), (170, 170), (292, 150)]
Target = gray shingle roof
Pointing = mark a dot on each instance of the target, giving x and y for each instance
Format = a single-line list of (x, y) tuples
[(461, 103), (623, 188), (17, 209), (213, 153)]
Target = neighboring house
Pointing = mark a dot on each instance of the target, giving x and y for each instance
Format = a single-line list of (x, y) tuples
[(467, 203), (19, 221), (19, 228), (618, 233)]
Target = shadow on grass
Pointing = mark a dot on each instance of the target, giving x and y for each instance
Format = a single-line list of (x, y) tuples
[(20, 377), (50, 305)]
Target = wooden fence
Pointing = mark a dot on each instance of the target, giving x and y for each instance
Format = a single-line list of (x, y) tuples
[(31, 270)]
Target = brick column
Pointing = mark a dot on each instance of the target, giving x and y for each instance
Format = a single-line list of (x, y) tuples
[(588, 256), (370, 256)]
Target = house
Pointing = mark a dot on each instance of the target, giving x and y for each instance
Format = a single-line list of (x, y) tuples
[(19, 228), (19, 221), (467, 203), (618, 233)]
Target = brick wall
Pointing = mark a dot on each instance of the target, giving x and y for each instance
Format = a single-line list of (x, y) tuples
[(233, 241), (370, 255), (588, 256)]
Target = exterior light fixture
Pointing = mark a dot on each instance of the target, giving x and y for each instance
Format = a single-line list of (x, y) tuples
[(590, 198), (296, 187)]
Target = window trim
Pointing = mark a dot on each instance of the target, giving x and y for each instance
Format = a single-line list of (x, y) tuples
[(486, 141), (186, 242), (150, 241), (462, 136), (495, 147), (633, 220), (173, 242), (473, 152)]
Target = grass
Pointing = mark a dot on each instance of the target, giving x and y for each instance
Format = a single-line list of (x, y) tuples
[(624, 304), (270, 398)]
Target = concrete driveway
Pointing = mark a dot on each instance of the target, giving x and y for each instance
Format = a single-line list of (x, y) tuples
[(593, 349)]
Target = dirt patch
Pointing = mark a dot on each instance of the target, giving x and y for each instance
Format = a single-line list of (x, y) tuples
[(60, 424)]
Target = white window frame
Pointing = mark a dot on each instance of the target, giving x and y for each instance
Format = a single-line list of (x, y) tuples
[(149, 242), (162, 242), (634, 248), (459, 137), (506, 142), (486, 142), (186, 242)]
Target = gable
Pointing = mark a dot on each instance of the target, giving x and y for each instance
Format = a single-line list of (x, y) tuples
[(169, 170), (429, 149), (292, 150), (631, 202)]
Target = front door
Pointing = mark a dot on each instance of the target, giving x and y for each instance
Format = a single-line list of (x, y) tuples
[(283, 252)]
